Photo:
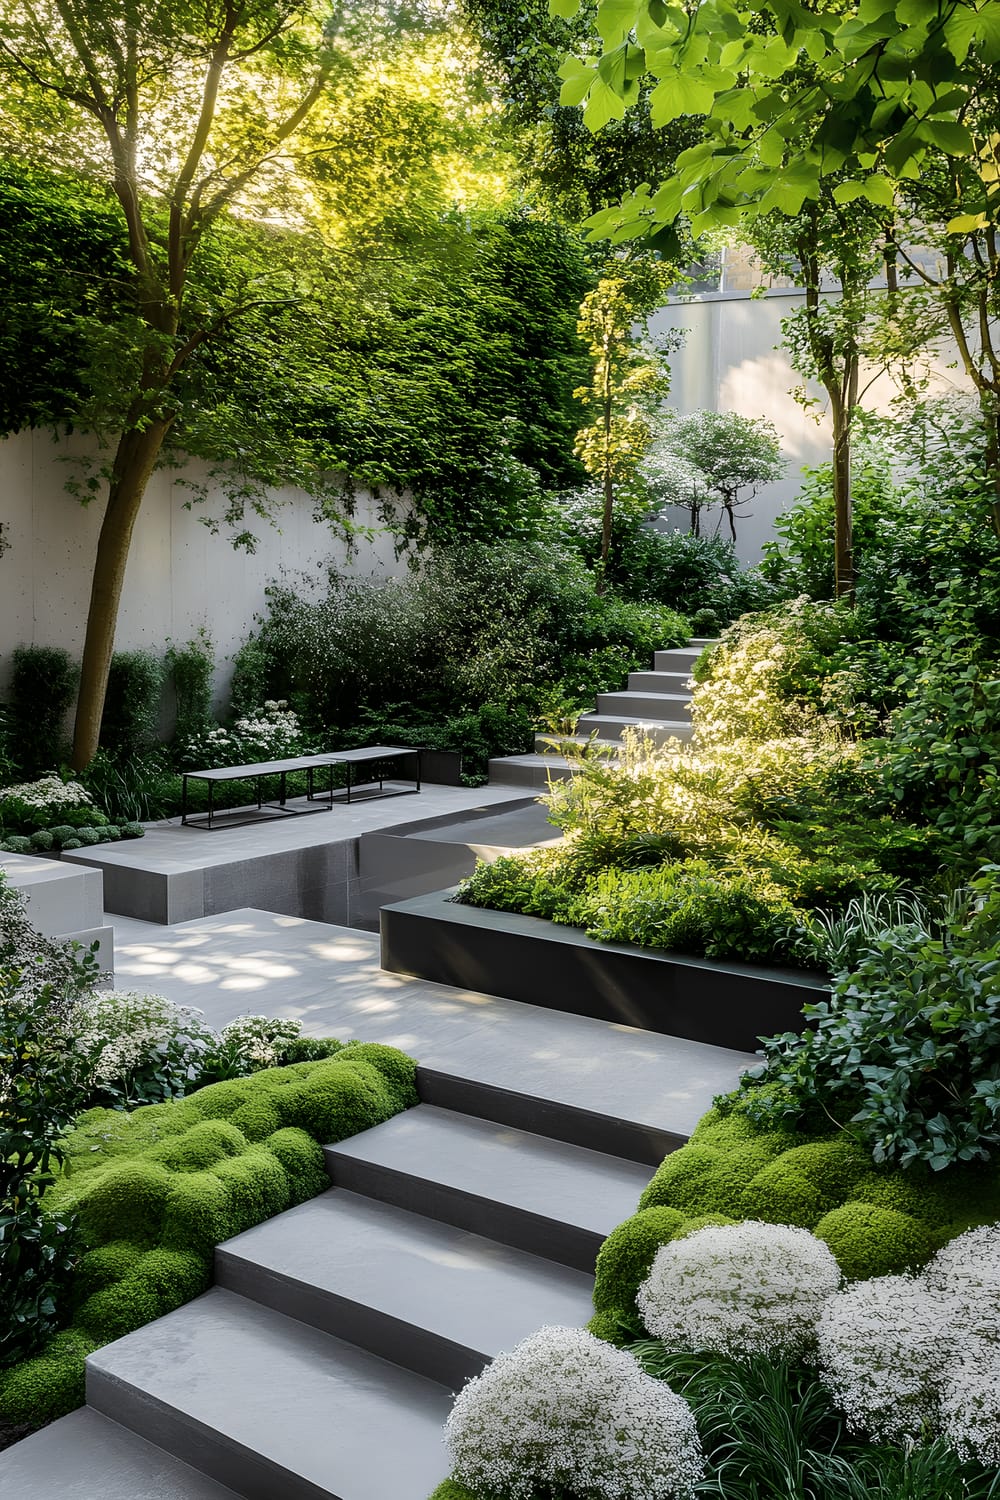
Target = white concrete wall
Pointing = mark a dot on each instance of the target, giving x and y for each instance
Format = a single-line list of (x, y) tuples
[(180, 576), (732, 360)]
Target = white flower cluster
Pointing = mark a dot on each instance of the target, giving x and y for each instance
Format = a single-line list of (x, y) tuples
[(260, 1040), (48, 793), (120, 1033), (566, 1411), (913, 1357), (740, 1289), (273, 730)]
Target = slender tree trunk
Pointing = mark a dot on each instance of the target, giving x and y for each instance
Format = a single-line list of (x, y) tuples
[(731, 518), (609, 501), (843, 541), (134, 462)]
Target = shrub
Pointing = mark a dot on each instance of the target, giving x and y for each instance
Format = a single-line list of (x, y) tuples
[(970, 1402), (132, 703), (191, 670), (870, 1241), (611, 1433), (43, 839), (139, 1049), (904, 1053), (739, 1289), (689, 907), (154, 1191), (883, 1348), (41, 691)]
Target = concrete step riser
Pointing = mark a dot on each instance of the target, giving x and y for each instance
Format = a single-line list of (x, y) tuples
[(206, 1449), (402, 1343), (680, 660), (675, 683), (560, 1122), (503, 772), (611, 727), (568, 1244), (645, 705)]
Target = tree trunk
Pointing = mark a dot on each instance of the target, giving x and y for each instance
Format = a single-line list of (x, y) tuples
[(843, 542), (609, 501), (991, 419), (135, 459)]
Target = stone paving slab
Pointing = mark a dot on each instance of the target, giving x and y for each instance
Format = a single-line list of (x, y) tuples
[(329, 978)]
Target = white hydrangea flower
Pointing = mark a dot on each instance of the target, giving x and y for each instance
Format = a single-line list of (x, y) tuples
[(563, 1409), (970, 1401), (884, 1346), (740, 1289), (49, 792), (262, 1040), (965, 1273)]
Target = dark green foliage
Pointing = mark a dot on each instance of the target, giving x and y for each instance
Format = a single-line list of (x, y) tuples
[(191, 670), (41, 691), (905, 1054), (132, 703), (699, 576), (466, 656), (872, 1241)]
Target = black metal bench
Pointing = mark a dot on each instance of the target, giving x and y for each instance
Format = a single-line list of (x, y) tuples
[(378, 756)]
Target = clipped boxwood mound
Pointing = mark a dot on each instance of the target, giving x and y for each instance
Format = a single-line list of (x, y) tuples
[(877, 1221), (156, 1190)]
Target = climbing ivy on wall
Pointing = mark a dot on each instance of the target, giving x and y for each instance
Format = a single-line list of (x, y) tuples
[(444, 369)]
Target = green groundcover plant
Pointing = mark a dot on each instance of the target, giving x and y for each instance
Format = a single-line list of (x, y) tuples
[(152, 1192)]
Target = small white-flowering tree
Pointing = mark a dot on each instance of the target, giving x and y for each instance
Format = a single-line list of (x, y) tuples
[(718, 456)]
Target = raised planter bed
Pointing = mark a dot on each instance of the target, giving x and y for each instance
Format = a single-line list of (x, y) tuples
[(540, 963)]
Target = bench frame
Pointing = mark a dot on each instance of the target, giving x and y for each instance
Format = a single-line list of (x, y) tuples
[(321, 801)]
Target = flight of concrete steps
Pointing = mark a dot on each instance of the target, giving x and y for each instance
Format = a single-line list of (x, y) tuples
[(322, 1363), (657, 703)]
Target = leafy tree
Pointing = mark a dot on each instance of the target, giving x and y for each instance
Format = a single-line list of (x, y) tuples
[(625, 379), (720, 454), (897, 99)]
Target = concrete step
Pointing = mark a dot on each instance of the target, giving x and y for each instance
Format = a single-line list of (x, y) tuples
[(433, 1298), (271, 1407), (535, 1194), (611, 727), (529, 770), (547, 744), (665, 707), (678, 683), (678, 659), (86, 1456)]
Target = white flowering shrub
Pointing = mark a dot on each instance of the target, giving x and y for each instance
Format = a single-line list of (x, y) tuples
[(884, 1348), (269, 733), (740, 1289), (970, 1401), (565, 1411), (140, 1049), (253, 1042), (965, 1274), (48, 794)]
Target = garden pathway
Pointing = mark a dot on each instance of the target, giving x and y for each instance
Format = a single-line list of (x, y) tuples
[(323, 1361)]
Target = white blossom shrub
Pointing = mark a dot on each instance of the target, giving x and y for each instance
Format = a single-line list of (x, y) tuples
[(49, 794), (565, 1410), (140, 1049), (252, 1042), (970, 1401), (965, 1274), (740, 1289), (884, 1348)]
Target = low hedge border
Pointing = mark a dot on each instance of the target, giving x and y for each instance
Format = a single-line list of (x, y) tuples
[(156, 1190)]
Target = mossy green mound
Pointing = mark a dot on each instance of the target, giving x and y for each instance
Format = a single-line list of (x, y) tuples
[(156, 1190), (877, 1221)]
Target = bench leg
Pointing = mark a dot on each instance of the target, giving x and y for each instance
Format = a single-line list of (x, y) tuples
[(211, 802)]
